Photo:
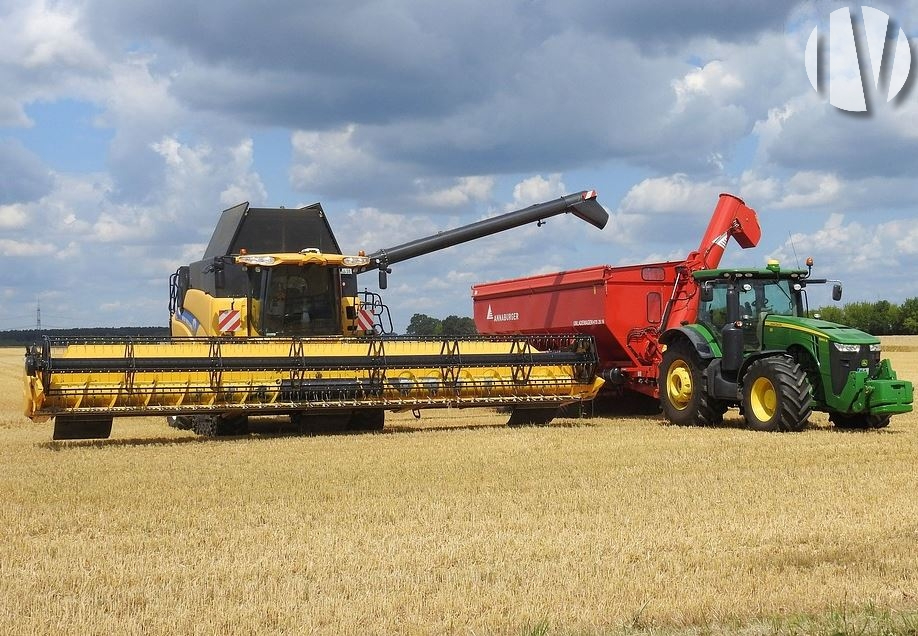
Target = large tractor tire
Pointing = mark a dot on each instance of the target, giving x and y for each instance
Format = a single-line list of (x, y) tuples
[(859, 420), (777, 395), (682, 392)]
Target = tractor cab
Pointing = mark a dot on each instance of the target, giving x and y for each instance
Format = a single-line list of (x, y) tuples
[(744, 297)]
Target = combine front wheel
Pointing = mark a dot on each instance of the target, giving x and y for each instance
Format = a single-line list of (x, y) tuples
[(776, 395)]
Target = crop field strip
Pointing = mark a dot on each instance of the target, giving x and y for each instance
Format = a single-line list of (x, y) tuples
[(455, 523)]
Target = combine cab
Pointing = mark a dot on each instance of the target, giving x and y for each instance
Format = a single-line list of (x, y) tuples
[(270, 322)]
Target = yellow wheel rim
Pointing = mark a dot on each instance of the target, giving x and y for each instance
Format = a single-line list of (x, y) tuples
[(763, 399), (679, 384)]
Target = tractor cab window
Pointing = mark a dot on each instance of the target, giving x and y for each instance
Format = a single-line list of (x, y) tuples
[(755, 298), (299, 301)]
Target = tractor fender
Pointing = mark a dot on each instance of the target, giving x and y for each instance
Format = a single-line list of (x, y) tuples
[(758, 355), (699, 339)]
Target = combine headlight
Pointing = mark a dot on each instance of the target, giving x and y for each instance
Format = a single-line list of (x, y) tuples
[(875, 348), (355, 261), (256, 260), (847, 348)]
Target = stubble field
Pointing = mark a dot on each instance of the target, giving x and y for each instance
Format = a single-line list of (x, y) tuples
[(456, 524)]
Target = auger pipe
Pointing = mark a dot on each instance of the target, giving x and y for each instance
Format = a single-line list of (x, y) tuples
[(582, 205)]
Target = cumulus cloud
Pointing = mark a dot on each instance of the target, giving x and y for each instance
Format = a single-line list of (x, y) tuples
[(25, 176)]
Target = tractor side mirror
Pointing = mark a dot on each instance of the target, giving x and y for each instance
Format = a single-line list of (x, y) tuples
[(836, 292), (707, 293), (383, 277)]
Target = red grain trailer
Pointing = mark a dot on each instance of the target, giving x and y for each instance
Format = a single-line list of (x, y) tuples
[(624, 308)]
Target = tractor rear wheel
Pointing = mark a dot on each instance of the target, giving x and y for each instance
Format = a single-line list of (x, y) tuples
[(682, 391), (859, 421), (776, 395)]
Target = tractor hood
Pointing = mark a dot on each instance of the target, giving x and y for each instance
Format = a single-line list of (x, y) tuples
[(831, 331)]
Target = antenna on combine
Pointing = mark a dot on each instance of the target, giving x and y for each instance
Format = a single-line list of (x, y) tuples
[(38, 315)]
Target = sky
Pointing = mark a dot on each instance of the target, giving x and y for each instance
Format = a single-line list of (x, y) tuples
[(127, 127)]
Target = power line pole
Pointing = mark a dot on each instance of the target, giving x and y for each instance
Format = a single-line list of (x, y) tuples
[(38, 315)]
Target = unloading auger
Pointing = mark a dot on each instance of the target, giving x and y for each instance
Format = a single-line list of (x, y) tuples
[(270, 322)]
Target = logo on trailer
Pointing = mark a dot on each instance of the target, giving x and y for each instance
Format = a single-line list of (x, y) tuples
[(229, 320), (507, 317)]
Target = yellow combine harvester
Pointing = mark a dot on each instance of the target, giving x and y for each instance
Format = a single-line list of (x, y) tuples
[(270, 322)]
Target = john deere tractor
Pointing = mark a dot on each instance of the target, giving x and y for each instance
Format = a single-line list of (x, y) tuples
[(754, 346)]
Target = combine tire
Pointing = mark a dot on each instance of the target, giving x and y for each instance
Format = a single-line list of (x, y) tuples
[(220, 425), (539, 416), (859, 420), (367, 420), (181, 422), (776, 395), (682, 393)]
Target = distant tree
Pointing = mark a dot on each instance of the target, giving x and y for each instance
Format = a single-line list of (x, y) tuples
[(424, 325), (459, 326), (908, 317), (832, 313)]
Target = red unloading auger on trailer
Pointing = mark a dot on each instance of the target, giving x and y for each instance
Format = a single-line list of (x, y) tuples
[(624, 308), (731, 218)]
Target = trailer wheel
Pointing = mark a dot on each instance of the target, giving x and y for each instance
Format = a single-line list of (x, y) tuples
[(776, 395), (859, 421), (682, 393)]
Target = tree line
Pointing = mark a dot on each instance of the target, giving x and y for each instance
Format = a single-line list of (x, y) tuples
[(424, 325), (23, 337), (880, 318)]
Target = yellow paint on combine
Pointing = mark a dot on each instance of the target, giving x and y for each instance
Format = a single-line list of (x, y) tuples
[(314, 374)]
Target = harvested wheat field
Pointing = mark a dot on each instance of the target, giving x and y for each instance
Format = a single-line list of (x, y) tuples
[(456, 524)]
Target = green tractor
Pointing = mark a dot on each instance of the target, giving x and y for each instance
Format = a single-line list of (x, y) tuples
[(754, 346)]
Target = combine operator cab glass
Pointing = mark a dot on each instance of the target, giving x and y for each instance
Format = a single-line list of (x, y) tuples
[(295, 301), (752, 301)]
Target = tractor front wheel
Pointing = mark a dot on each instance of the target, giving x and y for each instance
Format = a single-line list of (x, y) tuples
[(776, 395), (859, 421), (682, 392)]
